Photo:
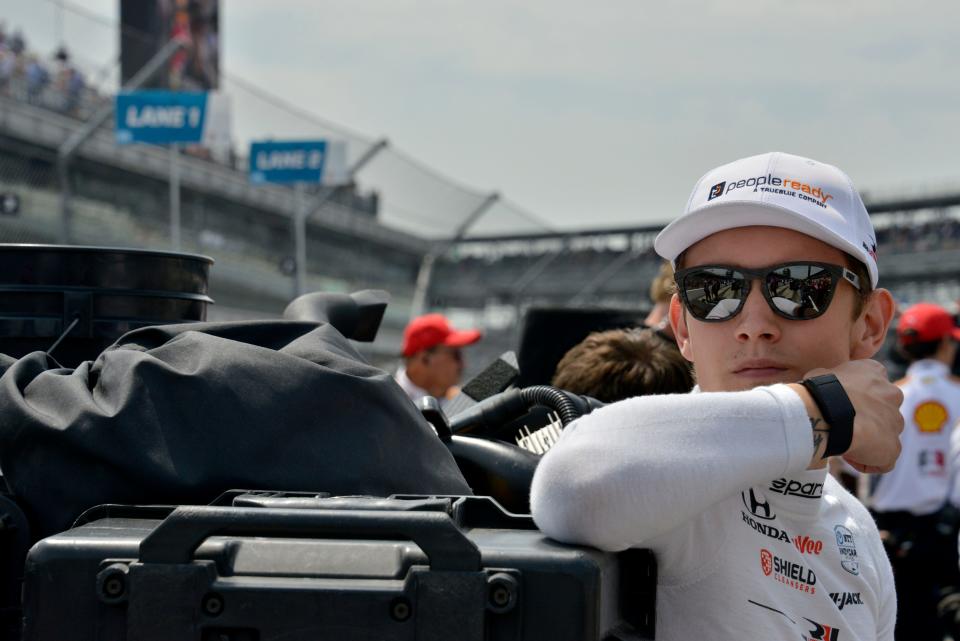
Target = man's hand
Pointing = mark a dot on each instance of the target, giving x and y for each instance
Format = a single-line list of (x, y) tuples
[(877, 426)]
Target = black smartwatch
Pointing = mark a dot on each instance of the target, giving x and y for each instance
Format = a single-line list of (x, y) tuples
[(837, 410)]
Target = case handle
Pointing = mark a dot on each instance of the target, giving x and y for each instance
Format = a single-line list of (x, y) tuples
[(179, 535)]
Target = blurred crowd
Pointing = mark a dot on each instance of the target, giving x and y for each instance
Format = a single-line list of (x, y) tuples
[(912, 236), (55, 83)]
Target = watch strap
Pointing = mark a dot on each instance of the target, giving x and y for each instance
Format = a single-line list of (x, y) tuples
[(837, 411)]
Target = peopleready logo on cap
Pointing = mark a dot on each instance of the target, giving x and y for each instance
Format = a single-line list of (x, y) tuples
[(777, 190), (775, 184)]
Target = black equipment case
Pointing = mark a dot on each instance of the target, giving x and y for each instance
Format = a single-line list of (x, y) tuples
[(298, 566)]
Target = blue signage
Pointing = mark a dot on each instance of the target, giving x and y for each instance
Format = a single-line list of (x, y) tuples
[(288, 161), (160, 117)]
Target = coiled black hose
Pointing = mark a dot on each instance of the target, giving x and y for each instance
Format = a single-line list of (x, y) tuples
[(553, 398), (491, 415)]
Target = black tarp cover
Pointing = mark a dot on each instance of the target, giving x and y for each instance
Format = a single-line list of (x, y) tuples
[(179, 413)]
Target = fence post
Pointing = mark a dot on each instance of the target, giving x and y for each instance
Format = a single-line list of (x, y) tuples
[(175, 196), (69, 147), (305, 209), (426, 265)]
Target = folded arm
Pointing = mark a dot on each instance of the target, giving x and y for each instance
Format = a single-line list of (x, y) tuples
[(639, 468)]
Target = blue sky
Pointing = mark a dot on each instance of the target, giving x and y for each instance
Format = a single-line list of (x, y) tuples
[(602, 113)]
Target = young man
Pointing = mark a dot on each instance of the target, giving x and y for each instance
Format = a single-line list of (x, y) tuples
[(432, 357), (776, 272), (910, 502)]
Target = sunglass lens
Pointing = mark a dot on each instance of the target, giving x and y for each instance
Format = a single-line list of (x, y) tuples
[(714, 293), (800, 291)]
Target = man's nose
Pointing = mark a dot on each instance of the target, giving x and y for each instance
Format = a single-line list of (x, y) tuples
[(756, 321)]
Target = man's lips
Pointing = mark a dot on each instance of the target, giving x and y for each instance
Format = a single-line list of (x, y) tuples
[(760, 368)]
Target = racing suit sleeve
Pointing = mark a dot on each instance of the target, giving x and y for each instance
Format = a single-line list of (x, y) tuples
[(632, 471), (887, 616)]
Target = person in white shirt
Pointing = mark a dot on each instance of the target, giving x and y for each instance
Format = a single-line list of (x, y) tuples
[(728, 485), (911, 502), (433, 358)]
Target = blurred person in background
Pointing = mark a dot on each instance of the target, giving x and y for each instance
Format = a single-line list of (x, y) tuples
[(37, 78), (433, 358), (661, 291), (621, 363), (68, 81), (17, 43), (8, 63), (910, 502), (955, 367)]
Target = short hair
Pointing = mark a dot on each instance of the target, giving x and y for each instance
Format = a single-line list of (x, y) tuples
[(919, 350), (662, 287), (622, 363)]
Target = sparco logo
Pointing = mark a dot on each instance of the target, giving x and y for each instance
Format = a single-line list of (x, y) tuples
[(787, 572), (822, 632), (846, 598), (757, 504), (791, 487), (806, 545), (765, 529), (848, 549)]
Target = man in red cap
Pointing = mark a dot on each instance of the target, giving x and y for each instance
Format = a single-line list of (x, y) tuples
[(910, 503), (433, 360)]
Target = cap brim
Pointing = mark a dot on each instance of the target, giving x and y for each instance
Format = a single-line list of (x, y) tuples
[(908, 339), (462, 338), (692, 228)]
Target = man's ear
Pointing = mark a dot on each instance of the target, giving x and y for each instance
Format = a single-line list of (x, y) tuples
[(678, 322), (870, 330)]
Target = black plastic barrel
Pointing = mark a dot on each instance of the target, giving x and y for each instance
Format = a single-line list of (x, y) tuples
[(108, 291)]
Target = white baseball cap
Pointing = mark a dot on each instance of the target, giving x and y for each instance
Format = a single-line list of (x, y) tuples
[(778, 190)]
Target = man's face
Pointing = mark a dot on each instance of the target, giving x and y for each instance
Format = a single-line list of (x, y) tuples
[(758, 347), (445, 365)]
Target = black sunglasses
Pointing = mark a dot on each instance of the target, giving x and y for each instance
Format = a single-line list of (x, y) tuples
[(798, 291)]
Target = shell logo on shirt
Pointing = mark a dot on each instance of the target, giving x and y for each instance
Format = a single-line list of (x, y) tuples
[(930, 417)]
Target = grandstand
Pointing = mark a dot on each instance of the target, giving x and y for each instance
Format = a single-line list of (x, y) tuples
[(918, 246), (120, 199), (374, 233)]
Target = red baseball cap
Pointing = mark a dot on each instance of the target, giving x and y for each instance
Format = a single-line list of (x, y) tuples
[(430, 330), (925, 323)]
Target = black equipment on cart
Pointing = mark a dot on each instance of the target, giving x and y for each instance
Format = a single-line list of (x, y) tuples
[(300, 567)]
